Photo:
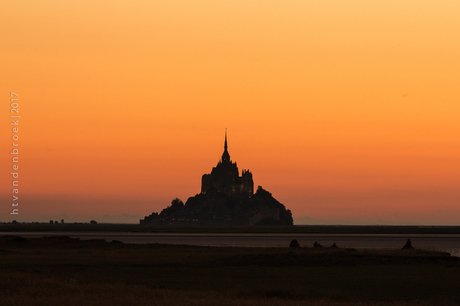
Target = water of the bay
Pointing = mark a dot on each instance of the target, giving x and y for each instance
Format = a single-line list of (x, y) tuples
[(444, 243)]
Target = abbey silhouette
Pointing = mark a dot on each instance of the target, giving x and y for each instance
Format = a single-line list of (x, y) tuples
[(226, 199), (225, 177)]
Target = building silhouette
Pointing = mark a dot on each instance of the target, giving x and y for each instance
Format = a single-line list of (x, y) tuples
[(225, 178), (226, 199)]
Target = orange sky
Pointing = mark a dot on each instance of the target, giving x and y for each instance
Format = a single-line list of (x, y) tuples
[(347, 112)]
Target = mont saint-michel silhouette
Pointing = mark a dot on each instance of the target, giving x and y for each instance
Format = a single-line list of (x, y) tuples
[(226, 199)]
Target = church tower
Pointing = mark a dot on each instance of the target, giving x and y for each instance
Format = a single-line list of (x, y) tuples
[(225, 155), (225, 178)]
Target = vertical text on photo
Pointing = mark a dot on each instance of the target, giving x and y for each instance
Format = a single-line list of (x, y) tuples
[(14, 115)]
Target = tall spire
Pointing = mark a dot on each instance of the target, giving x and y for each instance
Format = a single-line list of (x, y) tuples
[(225, 155)]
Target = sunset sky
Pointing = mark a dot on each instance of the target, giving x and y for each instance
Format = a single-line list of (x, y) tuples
[(348, 112)]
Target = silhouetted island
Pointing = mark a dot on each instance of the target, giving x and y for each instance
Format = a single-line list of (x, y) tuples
[(226, 199)]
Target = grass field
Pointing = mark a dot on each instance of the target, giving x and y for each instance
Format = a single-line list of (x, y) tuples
[(65, 271)]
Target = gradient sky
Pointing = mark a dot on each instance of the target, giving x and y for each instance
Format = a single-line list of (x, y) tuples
[(346, 111)]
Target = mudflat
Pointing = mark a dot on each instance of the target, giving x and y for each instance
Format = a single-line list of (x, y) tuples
[(307, 229)]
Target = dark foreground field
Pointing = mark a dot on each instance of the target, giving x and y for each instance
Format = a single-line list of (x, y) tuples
[(65, 271)]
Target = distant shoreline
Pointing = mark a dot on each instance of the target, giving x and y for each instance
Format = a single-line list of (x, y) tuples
[(313, 229)]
